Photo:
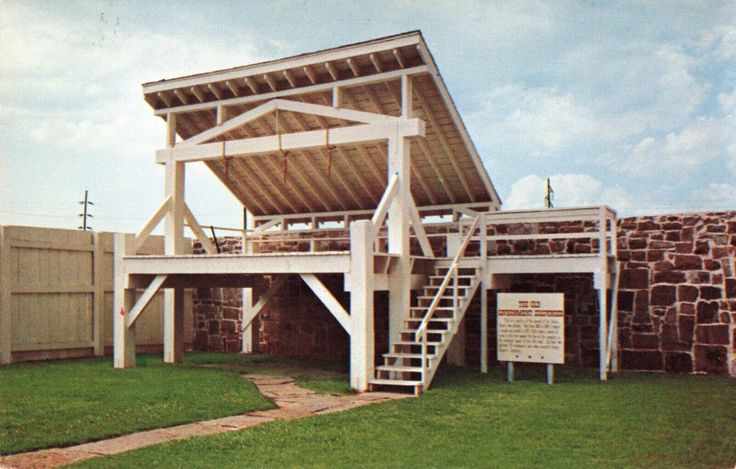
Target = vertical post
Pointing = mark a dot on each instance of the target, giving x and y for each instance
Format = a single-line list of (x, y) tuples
[(602, 296), (398, 236), (510, 371), (6, 282), (483, 295), (550, 373), (124, 336), (361, 305), (247, 331), (98, 298), (173, 245)]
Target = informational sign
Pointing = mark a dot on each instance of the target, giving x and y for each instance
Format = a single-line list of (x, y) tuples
[(531, 327)]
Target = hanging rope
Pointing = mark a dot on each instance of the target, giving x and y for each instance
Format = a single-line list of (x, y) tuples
[(226, 160), (329, 151), (285, 164)]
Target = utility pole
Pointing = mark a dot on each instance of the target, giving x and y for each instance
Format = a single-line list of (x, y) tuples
[(85, 214), (550, 195)]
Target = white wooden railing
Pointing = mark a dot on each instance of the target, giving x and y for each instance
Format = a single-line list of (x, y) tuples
[(452, 275)]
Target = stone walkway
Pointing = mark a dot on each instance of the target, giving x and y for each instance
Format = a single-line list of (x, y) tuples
[(293, 402)]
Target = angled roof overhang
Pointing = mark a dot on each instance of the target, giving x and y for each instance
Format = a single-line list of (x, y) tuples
[(364, 78)]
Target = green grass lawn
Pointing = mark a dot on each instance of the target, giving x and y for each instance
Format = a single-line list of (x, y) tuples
[(466, 420), (66, 402)]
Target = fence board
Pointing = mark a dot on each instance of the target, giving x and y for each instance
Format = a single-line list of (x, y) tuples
[(56, 291)]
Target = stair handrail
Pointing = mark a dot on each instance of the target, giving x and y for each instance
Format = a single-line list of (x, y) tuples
[(452, 271)]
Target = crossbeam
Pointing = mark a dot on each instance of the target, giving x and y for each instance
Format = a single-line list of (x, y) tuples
[(294, 141), (251, 314), (382, 210), (328, 300), (152, 223), (145, 298)]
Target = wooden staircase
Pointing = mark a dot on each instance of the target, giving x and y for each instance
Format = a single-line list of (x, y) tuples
[(430, 325)]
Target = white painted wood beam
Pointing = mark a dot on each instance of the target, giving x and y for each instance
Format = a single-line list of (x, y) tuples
[(362, 341), (363, 133), (152, 223), (251, 84), (165, 98), (233, 87), (198, 231), (429, 156), (386, 200), (123, 298), (399, 58), (290, 78), (310, 74), (198, 93), (419, 231), (182, 97), (263, 301), (215, 89), (145, 298), (320, 87), (376, 63), (332, 71), (353, 67), (407, 97), (270, 81), (328, 299)]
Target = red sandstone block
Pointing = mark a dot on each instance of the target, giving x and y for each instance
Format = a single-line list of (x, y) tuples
[(711, 359), (710, 264), (641, 360), (637, 243), (710, 293), (715, 228), (707, 312), (662, 295), (712, 334), (731, 226), (645, 341), (678, 362), (730, 288), (687, 293), (663, 265), (689, 221), (686, 326), (627, 223), (687, 308), (720, 252), (684, 247), (639, 256), (669, 276), (672, 225), (641, 301), (688, 262), (647, 226), (698, 277), (702, 247), (634, 278), (625, 300), (672, 236), (655, 255), (724, 317)]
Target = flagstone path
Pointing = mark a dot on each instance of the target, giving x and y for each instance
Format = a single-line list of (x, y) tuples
[(293, 402)]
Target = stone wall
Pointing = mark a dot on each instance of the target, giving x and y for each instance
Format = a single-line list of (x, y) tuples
[(677, 300)]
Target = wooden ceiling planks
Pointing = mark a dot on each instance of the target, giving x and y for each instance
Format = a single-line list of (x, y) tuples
[(444, 164)]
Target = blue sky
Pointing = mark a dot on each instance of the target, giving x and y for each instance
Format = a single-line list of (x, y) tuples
[(631, 104)]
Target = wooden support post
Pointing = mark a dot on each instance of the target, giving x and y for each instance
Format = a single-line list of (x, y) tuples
[(361, 305), (483, 295), (247, 329), (173, 245), (6, 316), (398, 235), (124, 336), (603, 295), (550, 373), (98, 300), (510, 371)]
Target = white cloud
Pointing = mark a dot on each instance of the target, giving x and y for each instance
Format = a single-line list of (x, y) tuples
[(701, 143), (570, 190)]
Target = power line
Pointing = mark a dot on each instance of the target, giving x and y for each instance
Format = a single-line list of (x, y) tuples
[(85, 214)]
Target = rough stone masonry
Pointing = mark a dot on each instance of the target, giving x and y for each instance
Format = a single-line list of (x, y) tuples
[(677, 301)]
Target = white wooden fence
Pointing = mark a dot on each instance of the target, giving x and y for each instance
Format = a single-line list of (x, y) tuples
[(56, 295)]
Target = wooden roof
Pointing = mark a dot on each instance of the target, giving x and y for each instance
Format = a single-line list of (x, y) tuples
[(446, 169)]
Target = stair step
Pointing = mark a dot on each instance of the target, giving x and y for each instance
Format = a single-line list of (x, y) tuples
[(434, 319), (430, 356), (459, 276), (425, 308), (394, 382), (431, 297), (407, 369), (416, 344)]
